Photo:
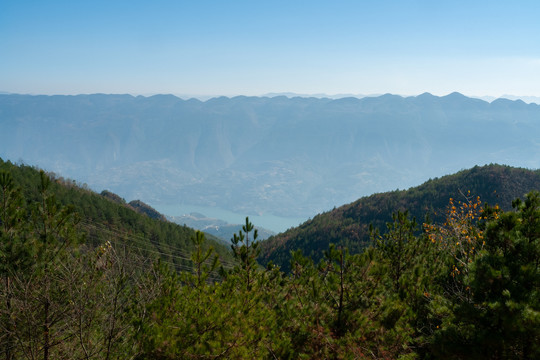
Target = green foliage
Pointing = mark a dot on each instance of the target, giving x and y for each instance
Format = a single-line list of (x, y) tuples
[(229, 319), (34, 295), (14, 254), (59, 297), (348, 225), (245, 252), (500, 317), (203, 261), (103, 219), (398, 248), (464, 287)]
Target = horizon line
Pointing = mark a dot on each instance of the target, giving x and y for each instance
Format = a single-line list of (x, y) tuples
[(290, 94)]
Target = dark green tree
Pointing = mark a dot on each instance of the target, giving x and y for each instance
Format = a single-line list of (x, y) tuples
[(204, 261), (500, 319), (43, 308), (246, 251), (398, 248), (14, 255)]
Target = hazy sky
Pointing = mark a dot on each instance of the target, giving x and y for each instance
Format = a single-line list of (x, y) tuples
[(255, 47)]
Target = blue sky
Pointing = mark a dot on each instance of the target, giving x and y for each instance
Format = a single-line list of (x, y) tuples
[(257, 47)]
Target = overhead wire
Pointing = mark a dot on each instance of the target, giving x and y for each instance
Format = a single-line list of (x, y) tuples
[(136, 237), (176, 252), (177, 266)]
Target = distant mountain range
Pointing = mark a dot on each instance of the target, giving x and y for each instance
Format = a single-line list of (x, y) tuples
[(292, 157), (205, 97), (349, 224), (527, 99), (319, 95)]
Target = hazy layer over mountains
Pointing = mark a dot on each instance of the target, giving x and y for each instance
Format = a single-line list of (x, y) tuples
[(292, 157)]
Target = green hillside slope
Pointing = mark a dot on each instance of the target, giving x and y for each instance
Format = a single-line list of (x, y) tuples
[(349, 224), (105, 219)]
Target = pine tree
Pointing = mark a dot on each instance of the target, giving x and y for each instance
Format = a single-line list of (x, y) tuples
[(246, 251), (500, 319), (14, 255)]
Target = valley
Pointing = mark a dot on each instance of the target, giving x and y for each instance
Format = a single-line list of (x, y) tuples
[(286, 157)]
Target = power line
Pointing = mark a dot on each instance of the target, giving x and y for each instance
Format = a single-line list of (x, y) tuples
[(177, 266), (117, 235), (182, 254)]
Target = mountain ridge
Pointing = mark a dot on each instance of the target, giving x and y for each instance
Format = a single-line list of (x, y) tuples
[(349, 224), (254, 155)]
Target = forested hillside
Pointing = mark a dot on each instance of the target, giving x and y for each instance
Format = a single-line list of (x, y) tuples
[(76, 282), (107, 217), (349, 224)]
